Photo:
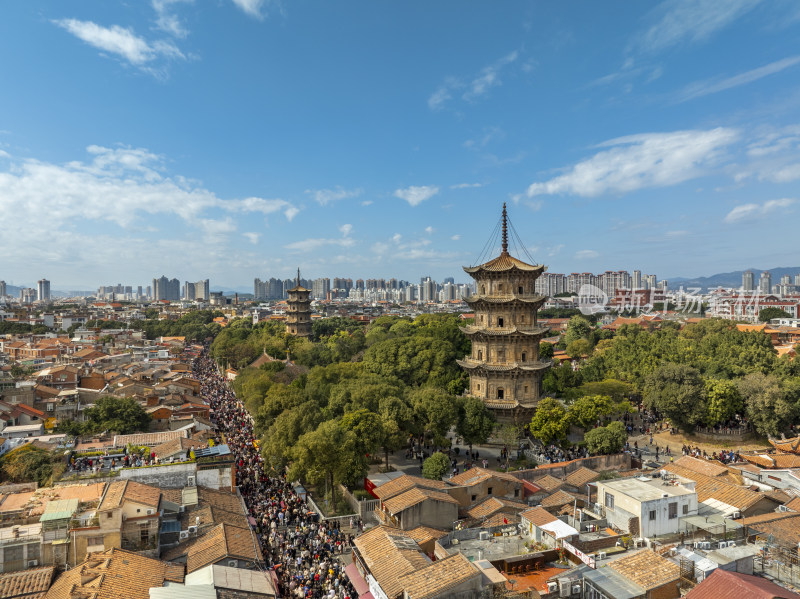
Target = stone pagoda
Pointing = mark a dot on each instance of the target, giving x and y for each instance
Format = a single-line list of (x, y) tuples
[(298, 312), (504, 367)]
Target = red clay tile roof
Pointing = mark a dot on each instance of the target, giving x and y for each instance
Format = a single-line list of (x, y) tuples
[(440, 576), (28, 584), (722, 584), (646, 569)]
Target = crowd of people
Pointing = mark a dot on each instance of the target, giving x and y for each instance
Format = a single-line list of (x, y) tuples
[(301, 549)]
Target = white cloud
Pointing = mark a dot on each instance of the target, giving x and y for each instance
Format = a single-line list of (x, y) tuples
[(429, 230), (455, 237), (325, 196), (442, 94), (252, 237), (489, 134), (167, 20), (397, 237), (466, 185), (217, 227), (488, 78), (705, 88), (54, 194), (252, 8), (641, 161), (416, 194), (120, 41), (586, 254), (313, 244), (752, 211), (552, 251), (366, 203), (478, 85), (690, 21)]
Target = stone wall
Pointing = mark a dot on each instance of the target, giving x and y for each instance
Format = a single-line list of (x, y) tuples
[(168, 477)]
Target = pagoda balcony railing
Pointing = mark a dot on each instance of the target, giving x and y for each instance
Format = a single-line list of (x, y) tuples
[(504, 296)]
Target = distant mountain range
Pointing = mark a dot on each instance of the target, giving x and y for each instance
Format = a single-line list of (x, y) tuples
[(732, 279)]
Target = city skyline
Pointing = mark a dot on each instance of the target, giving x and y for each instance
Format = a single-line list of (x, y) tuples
[(245, 139)]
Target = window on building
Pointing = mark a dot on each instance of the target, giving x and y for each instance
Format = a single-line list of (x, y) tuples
[(516, 492), (474, 497), (480, 354), (519, 289), (526, 389), (501, 355), (500, 322), (500, 288), (478, 386), (673, 510), (652, 515), (500, 393), (489, 491), (483, 289), (685, 510), (524, 357), (609, 501)]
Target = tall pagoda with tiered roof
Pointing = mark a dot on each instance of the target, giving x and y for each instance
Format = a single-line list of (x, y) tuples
[(504, 367), (298, 311)]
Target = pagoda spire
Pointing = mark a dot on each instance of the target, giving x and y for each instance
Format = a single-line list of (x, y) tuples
[(298, 275), (505, 229)]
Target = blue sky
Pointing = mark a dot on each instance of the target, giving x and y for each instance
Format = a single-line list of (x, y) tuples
[(234, 139)]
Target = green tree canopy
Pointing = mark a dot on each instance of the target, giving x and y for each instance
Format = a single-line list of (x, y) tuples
[(767, 314), (723, 400), (550, 422), (678, 392), (768, 406), (586, 411), (606, 439), (122, 415), (578, 327), (436, 466), (475, 422)]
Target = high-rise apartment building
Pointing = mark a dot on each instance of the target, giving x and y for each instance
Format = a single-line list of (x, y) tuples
[(199, 291), (637, 279), (551, 284), (321, 288), (576, 280), (3, 289), (166, 289), (650, 282), (27, 295), (748, 280), (43, 290), (765, 283)]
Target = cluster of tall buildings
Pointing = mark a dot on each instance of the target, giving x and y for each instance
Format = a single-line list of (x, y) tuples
[(392, 290), (170, 289), (28, 295), (552, 284), (787, 286)]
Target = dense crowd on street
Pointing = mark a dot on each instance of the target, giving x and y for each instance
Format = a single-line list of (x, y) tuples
[(301, 549)]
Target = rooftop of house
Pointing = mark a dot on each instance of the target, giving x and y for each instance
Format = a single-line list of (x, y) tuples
[(404, 483), (219, 542), (27, 584), (648, 489), (722, 584), (476, 475), (646, 568), (438, 577), (412, 497), (113, 574), (390, 554)]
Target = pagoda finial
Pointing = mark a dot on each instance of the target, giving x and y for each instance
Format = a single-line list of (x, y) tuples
[(505, 229), (298, 276)]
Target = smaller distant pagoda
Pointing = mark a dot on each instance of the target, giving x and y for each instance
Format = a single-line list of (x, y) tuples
[(298, 313)]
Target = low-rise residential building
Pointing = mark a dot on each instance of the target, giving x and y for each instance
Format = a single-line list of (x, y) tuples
[(647, 507), (418, 507), (640, 575)]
